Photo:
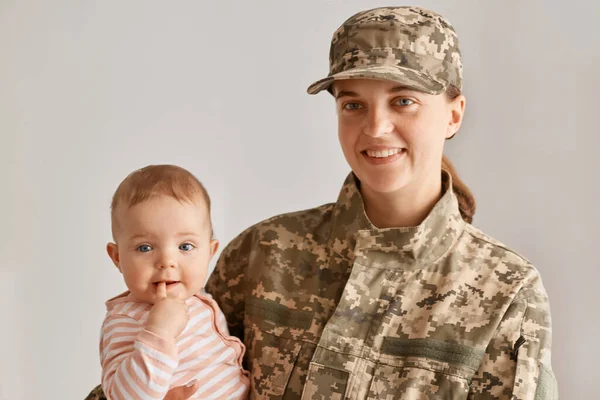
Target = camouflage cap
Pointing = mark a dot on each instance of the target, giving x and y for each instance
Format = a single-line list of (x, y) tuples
[(413, 46)]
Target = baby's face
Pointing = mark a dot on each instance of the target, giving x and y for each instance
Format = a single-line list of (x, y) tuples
[(163, 240)]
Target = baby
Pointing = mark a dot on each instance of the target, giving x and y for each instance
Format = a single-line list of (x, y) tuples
[(165, 336)]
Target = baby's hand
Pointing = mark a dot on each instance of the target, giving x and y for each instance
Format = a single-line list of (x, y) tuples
[(169, 316)]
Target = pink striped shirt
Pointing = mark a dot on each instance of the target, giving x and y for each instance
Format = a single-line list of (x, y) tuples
[(137, 364)]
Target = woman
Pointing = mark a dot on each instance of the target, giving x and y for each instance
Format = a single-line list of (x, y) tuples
[(389, 293)]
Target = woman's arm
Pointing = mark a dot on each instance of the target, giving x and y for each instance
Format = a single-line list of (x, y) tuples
[(227, 282), (517, 361)]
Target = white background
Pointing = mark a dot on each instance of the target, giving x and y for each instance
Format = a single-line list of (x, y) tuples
[(91, 90)]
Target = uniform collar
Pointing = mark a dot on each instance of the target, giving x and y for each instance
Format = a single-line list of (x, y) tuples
[(355, 237)]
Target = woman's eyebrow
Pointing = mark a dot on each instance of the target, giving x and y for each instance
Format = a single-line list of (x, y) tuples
[(399, 89), (347, 93)]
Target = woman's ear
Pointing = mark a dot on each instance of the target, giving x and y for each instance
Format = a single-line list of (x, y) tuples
[(457, 111)]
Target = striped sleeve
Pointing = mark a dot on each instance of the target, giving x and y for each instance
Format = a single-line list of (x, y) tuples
[(209, 357), (136, 364)]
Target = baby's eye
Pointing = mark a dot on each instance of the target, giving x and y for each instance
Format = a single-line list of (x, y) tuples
[(404, 102), (144, 248), (186, 246)]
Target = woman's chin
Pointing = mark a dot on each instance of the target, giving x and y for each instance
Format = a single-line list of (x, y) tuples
[(385, 185)]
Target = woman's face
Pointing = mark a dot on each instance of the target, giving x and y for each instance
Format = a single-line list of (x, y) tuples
[(391, 136)]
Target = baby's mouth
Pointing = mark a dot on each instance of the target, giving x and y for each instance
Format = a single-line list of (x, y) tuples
[(167, 283)]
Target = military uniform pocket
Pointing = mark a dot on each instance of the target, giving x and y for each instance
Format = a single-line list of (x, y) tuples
[(423, 369), (325, 382), (274, 339), (416, 383)]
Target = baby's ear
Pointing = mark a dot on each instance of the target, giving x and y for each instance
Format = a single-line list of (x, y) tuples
[(214, 246), (113, 253)]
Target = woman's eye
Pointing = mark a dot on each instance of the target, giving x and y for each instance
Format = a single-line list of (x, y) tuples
[(404, 102), (186, 247), (352, 106), (144, 248)]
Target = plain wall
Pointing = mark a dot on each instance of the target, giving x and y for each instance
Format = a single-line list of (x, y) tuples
[(91, 90)]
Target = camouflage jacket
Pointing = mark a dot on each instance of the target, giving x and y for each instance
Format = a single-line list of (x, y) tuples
[(330, 307)]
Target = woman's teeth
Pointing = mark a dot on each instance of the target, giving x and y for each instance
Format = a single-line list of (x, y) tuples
[(382, 153)]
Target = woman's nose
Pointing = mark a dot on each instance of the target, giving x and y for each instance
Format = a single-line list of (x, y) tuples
[(378, 122)]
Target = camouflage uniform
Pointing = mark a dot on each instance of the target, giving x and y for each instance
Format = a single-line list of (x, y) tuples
[(331, 307)]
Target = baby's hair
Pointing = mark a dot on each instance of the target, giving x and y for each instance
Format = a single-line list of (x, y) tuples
[(157, 180)]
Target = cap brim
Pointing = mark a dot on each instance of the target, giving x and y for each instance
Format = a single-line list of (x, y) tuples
[(405, 76)]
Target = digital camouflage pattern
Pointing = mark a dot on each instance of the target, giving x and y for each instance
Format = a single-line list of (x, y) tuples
[(413, 46), (330, 307), (96, 394)]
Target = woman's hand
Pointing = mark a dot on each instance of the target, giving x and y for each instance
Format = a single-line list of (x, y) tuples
[(183, 392)]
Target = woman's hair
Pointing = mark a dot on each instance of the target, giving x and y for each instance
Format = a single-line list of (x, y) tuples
[(466, 200)]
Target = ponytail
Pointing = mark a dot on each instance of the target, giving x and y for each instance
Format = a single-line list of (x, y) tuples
[(466, 200)]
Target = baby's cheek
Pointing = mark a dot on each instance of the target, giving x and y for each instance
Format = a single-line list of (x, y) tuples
[(136, 283)]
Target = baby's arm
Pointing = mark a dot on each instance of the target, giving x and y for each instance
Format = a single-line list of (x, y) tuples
[(136, 363)]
